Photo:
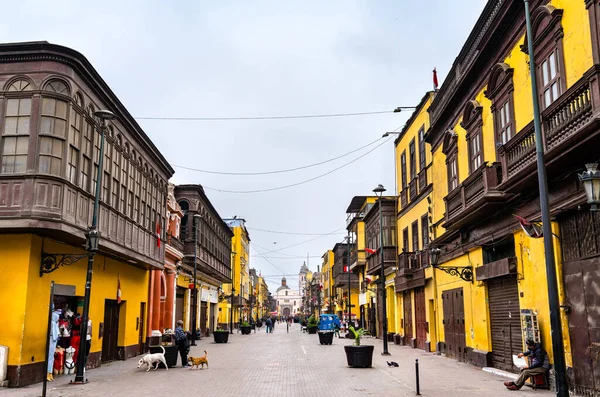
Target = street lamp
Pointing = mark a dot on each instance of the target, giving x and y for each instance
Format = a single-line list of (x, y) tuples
[(232, 292), (554, 303), (347, 238), (379, 193), (591, 183), (92, 244), (195, 291)]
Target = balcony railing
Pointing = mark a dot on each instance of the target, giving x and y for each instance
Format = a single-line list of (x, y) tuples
[(471, 197), (404, 197), (175, 242), (374, 260), (567, 117), (408, 262), (412, 186), (422, 180)]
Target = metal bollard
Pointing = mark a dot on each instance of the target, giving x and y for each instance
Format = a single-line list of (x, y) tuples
[(417, 376)]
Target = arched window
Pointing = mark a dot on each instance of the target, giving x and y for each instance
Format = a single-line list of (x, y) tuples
[(472, 122), (53, 129), (15, 135), (78, 99), (500, 91), (185, 207), (450, 149)]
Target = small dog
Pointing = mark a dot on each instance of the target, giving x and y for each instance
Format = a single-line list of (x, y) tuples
[(195, 362), (152, 358), (392, 364), (69, 362)]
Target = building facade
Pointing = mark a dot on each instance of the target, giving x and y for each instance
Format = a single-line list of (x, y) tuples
[(327, 282), (206, 246), (344, 282), (287, 300), (50, 148)]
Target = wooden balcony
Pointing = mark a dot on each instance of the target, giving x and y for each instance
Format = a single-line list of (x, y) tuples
[(410, 272), (422, 179), (568, 127), (404, 197), (474, 197), (412, 188), (374, 261), (175, 242)]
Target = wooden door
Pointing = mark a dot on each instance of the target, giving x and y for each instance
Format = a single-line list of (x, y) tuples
[(179, 304), (459, 330), (420, 317), (454, 324), (203, 316), (140, 325), (505, 321), (408, 325), (111, 331), (372, 319)]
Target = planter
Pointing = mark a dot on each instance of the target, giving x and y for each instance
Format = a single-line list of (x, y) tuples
[(326, 338), (359, 356), (397, 339), (246, 329), (221, 337), (390, 337), (312, 329), (170, 354)]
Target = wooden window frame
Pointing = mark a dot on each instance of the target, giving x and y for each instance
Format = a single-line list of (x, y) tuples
[(18, 135), (403, 171), (500, 90), (472, 122), (425, 230), (405, 239), (546, 24), (415, 231), (422, 150), (450, 149), (412, 150)]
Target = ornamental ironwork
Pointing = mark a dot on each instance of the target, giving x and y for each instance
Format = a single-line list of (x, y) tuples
[(463, 272), (51, 262)]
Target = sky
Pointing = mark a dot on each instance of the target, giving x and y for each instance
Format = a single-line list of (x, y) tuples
[(265, 58)]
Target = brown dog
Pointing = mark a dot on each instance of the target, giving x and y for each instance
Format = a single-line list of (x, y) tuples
[(195, 362)]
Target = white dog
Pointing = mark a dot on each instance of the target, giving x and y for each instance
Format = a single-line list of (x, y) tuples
[(150, 359), (69, 364)]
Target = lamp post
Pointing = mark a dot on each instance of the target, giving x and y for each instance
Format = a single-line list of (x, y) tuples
[(232, 293), (379, 193), (347, 238), (195, 291), (555, 323), (92, 242)]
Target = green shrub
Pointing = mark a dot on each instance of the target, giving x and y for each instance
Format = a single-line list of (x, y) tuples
[(357, 335), (312, 321)]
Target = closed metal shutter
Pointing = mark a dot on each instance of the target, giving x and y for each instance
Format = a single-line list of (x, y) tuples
[(503, 297)]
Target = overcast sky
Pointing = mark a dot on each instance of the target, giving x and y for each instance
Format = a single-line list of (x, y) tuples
[(264, 58)]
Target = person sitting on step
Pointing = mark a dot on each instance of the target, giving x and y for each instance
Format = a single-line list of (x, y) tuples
[(539, 364)]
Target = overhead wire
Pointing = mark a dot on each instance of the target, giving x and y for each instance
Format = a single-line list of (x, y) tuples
[(276, 171), (306, 116), (298, 183), (290, 233), (303, 242), (268, 261)]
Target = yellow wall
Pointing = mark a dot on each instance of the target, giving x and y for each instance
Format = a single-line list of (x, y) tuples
[(27, 316)]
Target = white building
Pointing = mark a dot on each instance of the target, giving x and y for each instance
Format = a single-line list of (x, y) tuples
[(288, 300)]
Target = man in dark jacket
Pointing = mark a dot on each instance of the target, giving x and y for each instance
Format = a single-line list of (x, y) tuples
[(539, 364), (182, 343)]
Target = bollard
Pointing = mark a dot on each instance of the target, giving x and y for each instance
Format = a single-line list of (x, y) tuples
[(417, 376), (288, 328)]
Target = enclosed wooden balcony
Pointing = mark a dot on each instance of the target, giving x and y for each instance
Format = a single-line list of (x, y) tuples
[(569, 126), (410, 272), (374, 261), (476, 196)]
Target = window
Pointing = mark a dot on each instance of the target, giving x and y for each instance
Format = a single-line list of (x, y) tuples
[(500, 92), (53, 132), (405, 240), (75, 140), (403, 169), (505, 123), (413, 160), (136, 209), (16, 135), (415, 236), (452, 174), (425, 230), (122, 199), (472, 122), (73, 161), (105, 185), (422, 154), (550, 80), (88, 134), (548, 44)]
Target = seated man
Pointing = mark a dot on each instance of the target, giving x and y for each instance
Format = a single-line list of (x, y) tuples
[(539, 364)]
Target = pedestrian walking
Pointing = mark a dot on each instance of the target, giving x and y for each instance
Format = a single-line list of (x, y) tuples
[(336, 329), (182, 343), (269, 325)]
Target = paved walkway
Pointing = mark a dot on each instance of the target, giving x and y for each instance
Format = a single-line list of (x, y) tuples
[(282, 364)]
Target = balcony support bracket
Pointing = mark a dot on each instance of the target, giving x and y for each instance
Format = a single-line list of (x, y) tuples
[(51, 262), (463, 272)]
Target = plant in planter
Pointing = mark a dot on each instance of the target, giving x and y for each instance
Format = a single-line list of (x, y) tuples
[(357, 355), (313, 325), (221, 336), (246, 328), (168, 343), (167, 338)]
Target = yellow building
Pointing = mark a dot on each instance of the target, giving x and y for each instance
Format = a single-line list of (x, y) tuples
[(414, 285), (328, 282), (240, 247), (490, 292)]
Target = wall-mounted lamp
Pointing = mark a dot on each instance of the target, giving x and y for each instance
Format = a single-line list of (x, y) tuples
[(463, 272), (591, 183)]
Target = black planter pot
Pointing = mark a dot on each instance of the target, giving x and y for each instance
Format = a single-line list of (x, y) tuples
[(170, 354), (312, 329), (326, 338), (246, 330), (221, 337), (359, 356)]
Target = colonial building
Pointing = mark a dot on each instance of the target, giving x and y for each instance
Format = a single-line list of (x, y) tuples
[(344, 281), (50, 148), (288, 301), (163, 282), (414, 173), (206, 246), (327, 282), (484, 203)]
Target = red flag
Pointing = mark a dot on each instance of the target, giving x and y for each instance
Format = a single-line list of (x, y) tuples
[(158, 234), (531, 229), (370, 250), (435, 79), (118, 290)]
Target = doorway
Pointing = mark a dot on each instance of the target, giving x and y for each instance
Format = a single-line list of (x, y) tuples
[(179, 304), (408, 326), (420, 317), (140, 325), (203, 316), (111, 331), (505, 321), (454, 324)]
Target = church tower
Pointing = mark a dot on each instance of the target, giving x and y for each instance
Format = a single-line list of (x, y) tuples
[(302, 278)]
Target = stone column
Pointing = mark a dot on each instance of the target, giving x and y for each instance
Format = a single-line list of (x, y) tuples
[(170, 300), (155, 319)]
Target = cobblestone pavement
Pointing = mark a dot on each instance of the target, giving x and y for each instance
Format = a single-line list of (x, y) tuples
[(286, 364)]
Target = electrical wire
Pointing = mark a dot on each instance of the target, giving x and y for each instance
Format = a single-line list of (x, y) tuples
[(291, 233), (298, 183), (303, 242), (277, 171), (268, 261), (289, 257), (308, 116)]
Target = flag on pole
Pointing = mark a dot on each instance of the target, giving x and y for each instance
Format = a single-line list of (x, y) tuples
[(157, 233), (435, 80), (118, 289), (533, 230), (370, 250)]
